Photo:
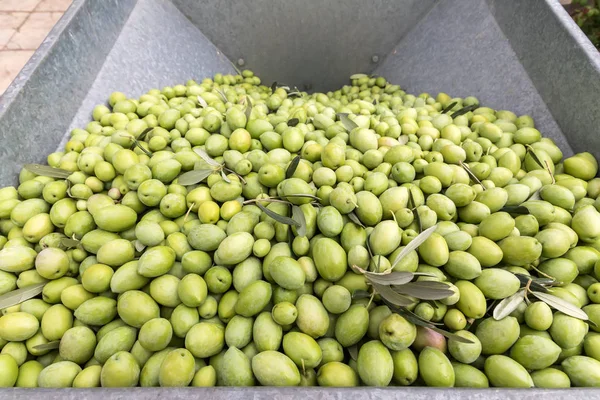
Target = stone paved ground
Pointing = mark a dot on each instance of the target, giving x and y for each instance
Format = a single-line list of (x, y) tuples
[(23, 26)]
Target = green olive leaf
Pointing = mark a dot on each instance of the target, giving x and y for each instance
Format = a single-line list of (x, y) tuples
[(449, 107), (47, 346), (425, 290), (289, 172), (416, 242), (145, 132), (20, 295), (201, 102), (520, 210), (347, 122), (508, 305), (451, 335), (138, 144), (278, 217), (235, 67), (414, 208), (293, 122), (471, 174), (358, 76), (354, 218), (368, 246), (308, 196), (415, 319), (298, 216), (290, 237), (535, 158), (194, 177), (248, 108), (535, 196), (139, 247), (274, 86), (464, 110), (353, 352), (561, 305), (223, 97), (360, 294), (392, 278), (69, 243), (534, 283), (206, 157), (225, 178), (45, 170), (391, 296)]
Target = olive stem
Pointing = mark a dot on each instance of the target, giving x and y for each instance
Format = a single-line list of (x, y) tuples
[(236, 174), (268, 200), (541, 273), (549, 171), (371, 299), (188, 212)]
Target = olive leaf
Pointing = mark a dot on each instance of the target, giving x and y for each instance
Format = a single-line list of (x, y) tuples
[(449, 107), (414, 209), (139, 246), (298, 216), (416, 242), (471, 174), (535, 196), (194, 177), (347, 122), (358, 76), (278, 217), (520, 210), (47, 346), (392, 296), (248, 110), (69, 243), (206, 157), (392, 278), (415, 319), (309, 196), (368, 246), (293, 122), (45, 170), (360, 294), (138, 144), (145, 132), (225, 178), (201, 102), (235, 67), (223, 97), (425, 290), (353, 352), (354, 218), (561, 305), (403, 139), (508, 305), (535, 158), (537, 284), (274, 86), (464, 110), (20, 295), (289, 172)]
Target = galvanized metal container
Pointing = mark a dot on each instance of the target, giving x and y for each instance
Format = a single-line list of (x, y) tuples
[(526, 56)]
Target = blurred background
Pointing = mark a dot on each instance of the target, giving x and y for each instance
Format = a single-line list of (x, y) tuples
[(25, 23)]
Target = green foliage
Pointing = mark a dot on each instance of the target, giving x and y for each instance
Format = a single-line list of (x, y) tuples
[(586, 14)]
